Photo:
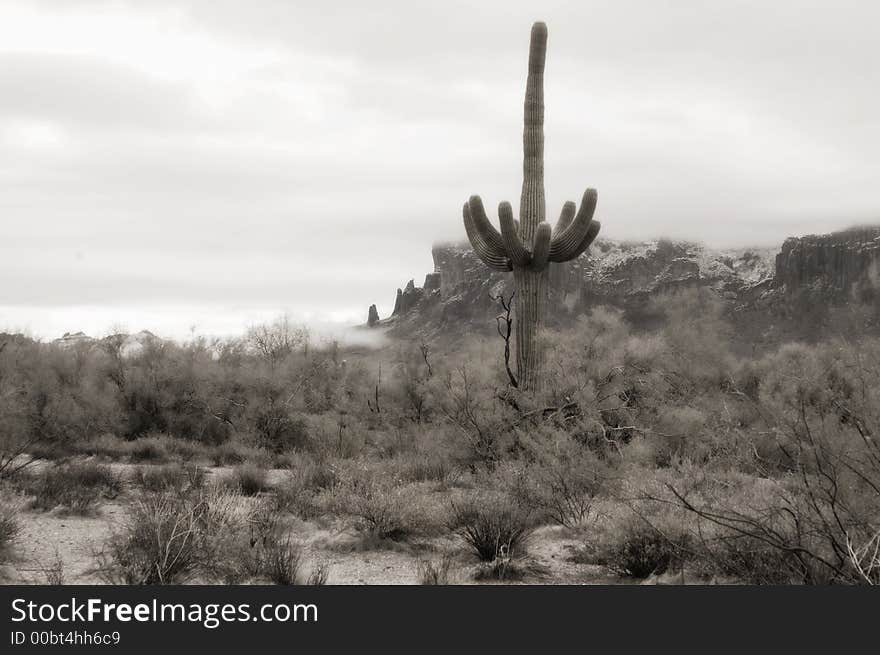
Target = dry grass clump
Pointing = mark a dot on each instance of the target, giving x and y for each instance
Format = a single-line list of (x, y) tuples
[(436, 571), (149, 449), (74, 486), (492, 524), (249, 479), (181, 478), (636, 549), (301, 492), (10, 526), (381, 508), (170, 538), (205, 534), (319, 575)]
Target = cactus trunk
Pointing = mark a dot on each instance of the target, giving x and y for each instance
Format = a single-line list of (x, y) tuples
[(531, 285), (531, 301)]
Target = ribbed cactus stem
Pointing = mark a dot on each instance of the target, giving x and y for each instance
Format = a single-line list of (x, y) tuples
[(531, 204), (531, 282)]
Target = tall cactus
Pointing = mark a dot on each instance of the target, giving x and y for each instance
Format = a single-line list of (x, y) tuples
[(528, 245)]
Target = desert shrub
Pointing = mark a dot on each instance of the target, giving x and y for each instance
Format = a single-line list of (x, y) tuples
[(492, 524), (75, 486), (183, 450), (278, 428), (638, 550), (503, 568), (319, 575), (430, 466), (182, 478), (51, 572), (820, 496), (169, 538), (281, 559), (380, 507), (747, 560), (560, 478), (105, 445), (274, 555), (298, 493), (234, 452), (149, 449), (257, 546), (677, 432), (249, 479), (435, 571), (467, 398), (158, 545), (9, 526)]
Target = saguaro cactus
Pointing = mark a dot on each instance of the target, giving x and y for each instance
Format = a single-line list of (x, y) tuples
[(528, 245)]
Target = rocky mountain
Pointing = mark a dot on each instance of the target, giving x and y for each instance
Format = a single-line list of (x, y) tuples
[(846, 263), (764, 289)]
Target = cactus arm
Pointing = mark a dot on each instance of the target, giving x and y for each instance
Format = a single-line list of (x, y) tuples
[(514, 247), (494, 258), (541, 251), (592, 233), (565, 245), (565, 217), (484, 226)]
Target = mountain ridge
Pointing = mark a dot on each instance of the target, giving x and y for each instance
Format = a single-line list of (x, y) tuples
[(763, 285)]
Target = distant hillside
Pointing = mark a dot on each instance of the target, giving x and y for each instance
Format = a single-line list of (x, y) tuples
[(768, 291)]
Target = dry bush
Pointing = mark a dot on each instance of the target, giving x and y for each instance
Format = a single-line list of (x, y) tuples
[(159, 543), (559, 477), (319, 575), (677, 433), (52, 572), (504, 568), (280, 559), (435, 571), (425, 465), (269, 552), (822, 407), (149, 449), (10, 525), (170, 538), (232, 453), (299, 493), (181, 478), (492, 524), (249, 479), (106, 446), (380, 508), (865, 559), (730, 555), (637, 549), (75, 486), (256, 546), (480, 419)]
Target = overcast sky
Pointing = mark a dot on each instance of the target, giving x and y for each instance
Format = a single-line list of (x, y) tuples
[(209, 163)]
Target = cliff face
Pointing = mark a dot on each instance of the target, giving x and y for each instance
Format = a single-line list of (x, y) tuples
[(767, 290), (812, 286), (461, 289), (846, 264)]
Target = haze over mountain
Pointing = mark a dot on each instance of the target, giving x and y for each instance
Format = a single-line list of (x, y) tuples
[(173, 164)]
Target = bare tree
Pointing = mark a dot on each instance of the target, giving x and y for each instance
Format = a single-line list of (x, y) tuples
[(277, 340), (504, 324)]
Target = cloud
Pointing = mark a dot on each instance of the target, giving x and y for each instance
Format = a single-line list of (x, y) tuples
[(283, 155)]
